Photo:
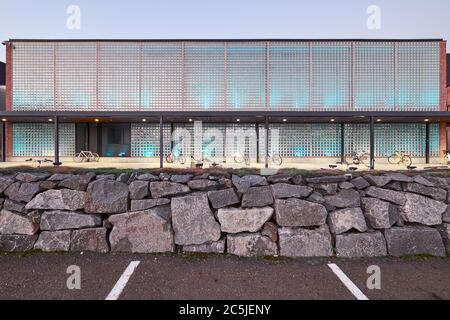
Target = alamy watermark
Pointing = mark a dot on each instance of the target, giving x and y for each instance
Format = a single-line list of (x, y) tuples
[(374, 20), (73, 21)]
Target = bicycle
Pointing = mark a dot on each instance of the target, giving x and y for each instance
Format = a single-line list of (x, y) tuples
[(87, 156), (357, 159), (400, 158), (274, 159), (38, 162), (171, 158), (242, 158)]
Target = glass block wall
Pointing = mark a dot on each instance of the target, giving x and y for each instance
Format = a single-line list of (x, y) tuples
[(324, 140), (37, 139), (257, 75), (145, 139)]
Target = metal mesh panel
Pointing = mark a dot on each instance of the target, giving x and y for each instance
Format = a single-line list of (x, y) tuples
[(289, 76), (337, 75), (374, 80), (33, 80), (331, 76), (76, 76), (37, 139), (302, 140), (161, 75), (145, 139), (204, 75), (118, 76), (246, 72), (356, 138), (418, 83)]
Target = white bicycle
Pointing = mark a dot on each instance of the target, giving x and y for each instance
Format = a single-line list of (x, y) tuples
[(86, 156)]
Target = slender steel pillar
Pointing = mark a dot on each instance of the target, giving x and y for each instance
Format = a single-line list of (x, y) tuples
[(56, 128), (372, 143), (266, 161), (427, 143), (161, 143), (257, 142), (3, 142), (342, 143)]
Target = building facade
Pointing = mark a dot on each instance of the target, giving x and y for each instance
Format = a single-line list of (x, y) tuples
[(324, 98)]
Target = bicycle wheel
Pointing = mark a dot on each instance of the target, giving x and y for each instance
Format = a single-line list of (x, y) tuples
[(198, 158), (394, 159), (77, 157), (181, 159), (277, 160), (96, 157), (238, 158), (407, 161), (349, 159), (169, 158), (247, 161), (365, 159)]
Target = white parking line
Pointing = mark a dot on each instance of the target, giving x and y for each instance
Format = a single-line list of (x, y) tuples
[(122, 282), (347, 282)]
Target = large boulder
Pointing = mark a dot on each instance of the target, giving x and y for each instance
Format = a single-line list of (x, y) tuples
[(444, 230), (433, 192), (235, 220), (343, 220), (14, 223), (299, 242), (5, 182), (193, 220), (223, 198), (413, 240), (94, 240), (353, 245), (270, 230), (17, 243), (327, 179), (325, 188), (285, 190), (141, 232), (360, 183), (446, 215), (378, 181), (423, 181), (161, 189), (181, 178), (422, 210), (380, 214), (15, 206), (388, 195), (399, 177), (212, 247), (280, 178), (147, 177), (138, 205), (63, 220), (107, 196), (203, 185), (57, 177), (251, 245), (255, 180), (138, 189), (241, 185), (23, 192), (78, 182), (347, 198), (32, 176), (257, 197), (62, 199), (299, 213), (50, 241)]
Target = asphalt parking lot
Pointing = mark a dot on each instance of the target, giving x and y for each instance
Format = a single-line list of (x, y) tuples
[(205, 277)]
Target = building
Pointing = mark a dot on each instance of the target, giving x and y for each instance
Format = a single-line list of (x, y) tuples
[(324, 98), (2, 85)]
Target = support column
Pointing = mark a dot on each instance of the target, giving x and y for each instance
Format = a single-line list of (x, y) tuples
[(266, 128), (3, 142), (161, 143), (257, 142), (342, 143), (56, 128), (372, 143), (427, 143)]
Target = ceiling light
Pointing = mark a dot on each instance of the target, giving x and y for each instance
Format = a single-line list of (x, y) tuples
[(332, 120), (426, 120), (4, 120), (284, 120), (50, 120), (190, 120), (238, 120), (97, 120), (378, 120), (144, 120)]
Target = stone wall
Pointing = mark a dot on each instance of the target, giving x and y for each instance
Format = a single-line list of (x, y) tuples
[(293, 216)]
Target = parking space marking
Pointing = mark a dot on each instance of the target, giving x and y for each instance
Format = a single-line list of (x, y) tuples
[(347, 282), (122, 282)]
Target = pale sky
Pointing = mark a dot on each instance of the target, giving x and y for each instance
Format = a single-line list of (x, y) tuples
[(225, 19)]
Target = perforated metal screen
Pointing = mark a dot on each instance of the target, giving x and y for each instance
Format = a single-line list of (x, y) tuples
[(275, 75)]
